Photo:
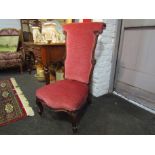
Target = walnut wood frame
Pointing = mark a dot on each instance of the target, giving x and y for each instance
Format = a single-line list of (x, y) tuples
[(74, 115)]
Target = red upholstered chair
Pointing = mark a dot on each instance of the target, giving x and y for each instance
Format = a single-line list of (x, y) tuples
[(71, 94)]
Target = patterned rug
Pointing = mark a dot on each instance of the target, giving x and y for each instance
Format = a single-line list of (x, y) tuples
[(13, 104)]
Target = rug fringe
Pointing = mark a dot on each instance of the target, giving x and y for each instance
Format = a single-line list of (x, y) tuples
[(28, 109)]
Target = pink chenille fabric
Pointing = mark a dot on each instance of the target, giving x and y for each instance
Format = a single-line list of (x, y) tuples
[(70, 94), (81, 41)]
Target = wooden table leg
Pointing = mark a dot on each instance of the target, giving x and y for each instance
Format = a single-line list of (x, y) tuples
[(45, 61), (47, 74), (28, 62)]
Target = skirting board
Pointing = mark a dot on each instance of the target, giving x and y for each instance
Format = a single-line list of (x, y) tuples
[(135, 103)]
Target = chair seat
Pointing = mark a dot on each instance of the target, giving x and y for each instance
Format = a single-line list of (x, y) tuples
[(66, 94), (9, 63), (9, 55)]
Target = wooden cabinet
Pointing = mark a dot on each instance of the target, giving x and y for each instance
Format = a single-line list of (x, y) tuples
[(34, 54), (32, 51), (57, 54)]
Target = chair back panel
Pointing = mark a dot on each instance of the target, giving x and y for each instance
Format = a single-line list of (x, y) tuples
[(9, 39), (80, 45)]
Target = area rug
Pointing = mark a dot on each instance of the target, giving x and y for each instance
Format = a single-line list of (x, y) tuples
[(13, 104)]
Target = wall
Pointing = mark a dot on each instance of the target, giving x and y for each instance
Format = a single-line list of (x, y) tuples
[(103, 54), (10, 23)]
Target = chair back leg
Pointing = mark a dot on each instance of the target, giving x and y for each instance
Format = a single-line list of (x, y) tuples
[(40, 106)]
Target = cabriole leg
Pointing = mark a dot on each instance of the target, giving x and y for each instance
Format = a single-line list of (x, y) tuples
[(74, 122)]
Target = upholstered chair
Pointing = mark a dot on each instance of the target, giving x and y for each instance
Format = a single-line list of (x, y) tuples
[(10, 54), (70, 95)]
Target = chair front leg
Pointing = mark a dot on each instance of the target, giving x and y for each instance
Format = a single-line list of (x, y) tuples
[(74, 120), (40, 106)]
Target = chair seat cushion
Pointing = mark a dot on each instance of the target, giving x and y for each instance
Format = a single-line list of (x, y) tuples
[(9, 63), (66, 94), (9, 56)]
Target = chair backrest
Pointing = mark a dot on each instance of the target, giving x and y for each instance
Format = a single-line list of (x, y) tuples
[(9, 39), (80, 46)]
